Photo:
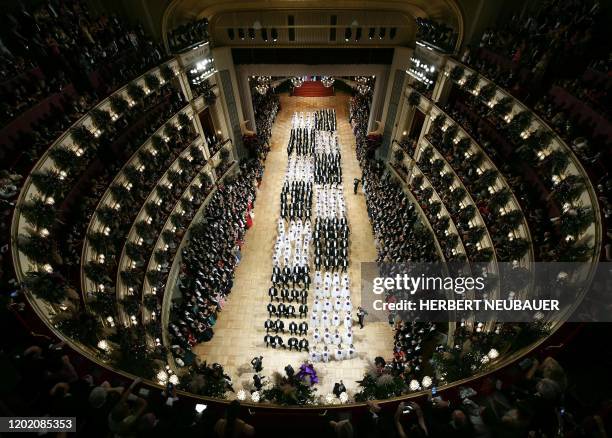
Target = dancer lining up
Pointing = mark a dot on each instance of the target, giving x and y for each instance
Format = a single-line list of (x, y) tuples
[(325, 120), (301, 141), (331, 317), (291, 268)]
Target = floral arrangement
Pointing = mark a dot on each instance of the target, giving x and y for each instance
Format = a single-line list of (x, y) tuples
[(307, 374), (296, 389)]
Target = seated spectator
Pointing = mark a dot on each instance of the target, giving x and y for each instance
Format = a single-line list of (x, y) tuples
[(231, 426)]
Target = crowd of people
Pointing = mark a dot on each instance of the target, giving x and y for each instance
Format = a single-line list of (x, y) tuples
[(188, 34), (210, 257), (291, 256), (312, 191), (400, 237), (302, 140), (531, 398), (266, 107), (544, 40), (555, 58), (50, 46), (63, 49), (436, 33), (296, 201)]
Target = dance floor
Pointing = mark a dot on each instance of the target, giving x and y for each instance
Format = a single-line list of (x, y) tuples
[(239, 330)]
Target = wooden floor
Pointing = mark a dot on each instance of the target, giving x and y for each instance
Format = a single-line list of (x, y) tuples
[(239, 330)]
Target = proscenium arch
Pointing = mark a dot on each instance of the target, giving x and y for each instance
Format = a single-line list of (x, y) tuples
[(181, 11)]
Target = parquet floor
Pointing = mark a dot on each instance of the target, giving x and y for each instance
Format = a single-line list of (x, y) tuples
[(239, 330)]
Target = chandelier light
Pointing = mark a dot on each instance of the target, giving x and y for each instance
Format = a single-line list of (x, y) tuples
[(297, 81), (363, 84), (263, 84), (327, 81)]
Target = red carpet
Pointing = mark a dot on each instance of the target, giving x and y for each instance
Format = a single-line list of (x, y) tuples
[(313, 89)]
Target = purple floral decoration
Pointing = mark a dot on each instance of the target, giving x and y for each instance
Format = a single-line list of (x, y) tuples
[(308, 374)]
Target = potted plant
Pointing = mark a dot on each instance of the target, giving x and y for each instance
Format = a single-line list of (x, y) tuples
[(132, 278), (166, 72), (103, 304), (38, 213), (510, 221), (150, 301), (516, 248), (457, 73), (134, 252), (426, 193), (49, 287), (503, 106), (399, 156), (135, 91), (576, 220), (224, 155), (457, 195), (577, 252), (484, 255), (435, 207), (107, 216), (487, 178), (519, 123), (48, 183), (133, 175), (168, 237), (475, 234), (161, 257), (417, 181), (64, 158), (82, 137), (462, 147), (186, 165), (426, 155), (487, 92), (152, 82), (81, 326), (414, 98), (170, 130), (438, 122), (467, 213), (176, 220), (500, 198), (97, 272), (36, 248), (437, 166), (476, 159), (471, 81), (447, 179), (100, 242), (118, 104), (184, 120), (121, 194), (100, 118), (557, 161), (144, 230), (569, 189)]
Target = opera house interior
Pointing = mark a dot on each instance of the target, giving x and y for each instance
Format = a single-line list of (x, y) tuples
[(381, 218)]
